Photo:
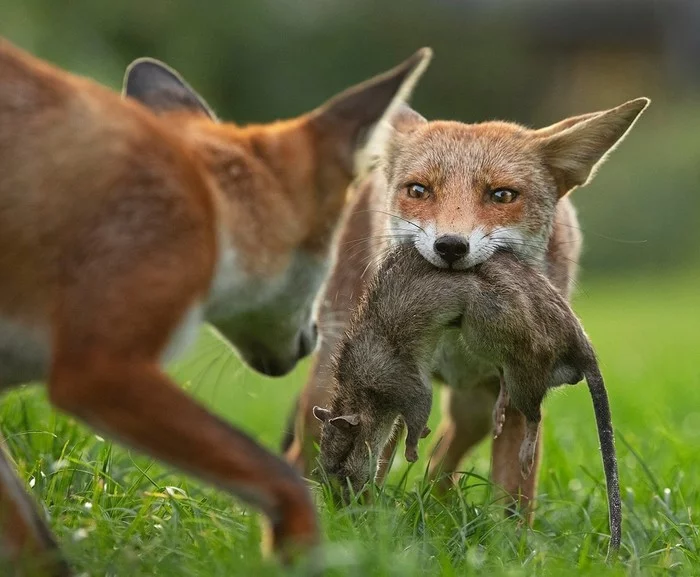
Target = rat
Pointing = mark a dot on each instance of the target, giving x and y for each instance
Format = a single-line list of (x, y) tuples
[(509, 315)]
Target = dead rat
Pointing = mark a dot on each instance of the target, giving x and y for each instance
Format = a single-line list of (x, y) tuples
[(509, 315)]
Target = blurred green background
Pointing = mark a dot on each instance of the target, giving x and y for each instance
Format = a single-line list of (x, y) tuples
[(534, 61)]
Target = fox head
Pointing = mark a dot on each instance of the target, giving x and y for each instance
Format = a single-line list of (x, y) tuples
[(282, 189), (459, 192)]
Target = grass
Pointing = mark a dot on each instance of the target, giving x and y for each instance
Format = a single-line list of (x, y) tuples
[(118, 513)]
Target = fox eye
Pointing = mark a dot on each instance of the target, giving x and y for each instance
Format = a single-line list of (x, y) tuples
[(416, 190), (503, 195)]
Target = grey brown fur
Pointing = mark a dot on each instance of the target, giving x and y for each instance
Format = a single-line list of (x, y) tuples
[(510, 315)]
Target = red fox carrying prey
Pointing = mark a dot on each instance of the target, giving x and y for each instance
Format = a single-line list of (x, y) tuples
[(457, 193), (509, 315)]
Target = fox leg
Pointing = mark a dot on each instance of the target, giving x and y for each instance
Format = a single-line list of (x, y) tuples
[(466, 420), (527, 395), (136, 403), (505, 461), (528, 448), (114, 318), (24, 536), (300, 447)]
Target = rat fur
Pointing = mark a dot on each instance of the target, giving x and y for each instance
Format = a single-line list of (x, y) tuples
[(509, 315)]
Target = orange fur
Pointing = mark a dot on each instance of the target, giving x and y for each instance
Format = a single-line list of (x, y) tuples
[(24, 537), (121, 228), (282, 190), (459, 166)]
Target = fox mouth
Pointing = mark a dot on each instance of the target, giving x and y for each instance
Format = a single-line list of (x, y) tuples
[(440, 264)]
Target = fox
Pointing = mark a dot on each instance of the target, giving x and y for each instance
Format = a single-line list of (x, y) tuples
[(128, 220), (457, 193), (507, 313)]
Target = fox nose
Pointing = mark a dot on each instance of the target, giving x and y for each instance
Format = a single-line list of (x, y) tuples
[(307, 341), (451, 247)]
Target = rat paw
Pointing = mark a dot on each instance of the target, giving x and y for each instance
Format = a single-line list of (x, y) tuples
[(411, 454), (527, 457), (499, 412), (499, 419)]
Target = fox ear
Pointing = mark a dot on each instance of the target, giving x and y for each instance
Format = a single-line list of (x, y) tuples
[(161, 88), (553, 129), (347, 121), (405, 119), (402, 120), (574, 148)]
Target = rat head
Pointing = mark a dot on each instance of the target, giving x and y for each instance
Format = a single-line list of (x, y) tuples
[(352, 443), (281, 192), (461, 191), (373, 387)]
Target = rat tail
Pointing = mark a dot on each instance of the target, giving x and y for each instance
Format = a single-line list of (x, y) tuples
[(601, 407)]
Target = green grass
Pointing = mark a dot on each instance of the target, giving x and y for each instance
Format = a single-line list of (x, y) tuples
[(117, 513)]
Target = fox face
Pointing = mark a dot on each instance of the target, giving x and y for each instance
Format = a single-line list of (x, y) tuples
[(459, 192), (280, 193)]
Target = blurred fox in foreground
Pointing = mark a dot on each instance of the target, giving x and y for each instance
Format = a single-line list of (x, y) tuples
[(458, 193), (122, 228)]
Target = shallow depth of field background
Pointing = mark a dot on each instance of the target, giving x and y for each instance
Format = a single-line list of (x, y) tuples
[(639, 292)]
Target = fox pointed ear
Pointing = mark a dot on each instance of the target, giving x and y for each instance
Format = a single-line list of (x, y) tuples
[(402, 120), (347, 121), (574, 152), (405, 119), (553, 129), (161, 88)]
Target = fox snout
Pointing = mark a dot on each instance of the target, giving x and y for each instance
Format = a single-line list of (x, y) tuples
[(271, 366), (451, 248), (460, 250), (307, 341), (273, 362)]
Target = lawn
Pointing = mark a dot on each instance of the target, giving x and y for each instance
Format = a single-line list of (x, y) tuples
[(117, 513)]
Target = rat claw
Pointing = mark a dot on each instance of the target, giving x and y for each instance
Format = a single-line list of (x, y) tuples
[(527, 451), (498, 423), (526, 462), (411, 454), (499, 410)]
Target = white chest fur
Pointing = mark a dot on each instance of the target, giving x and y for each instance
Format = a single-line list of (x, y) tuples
[(184, 335), (25, 354)]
